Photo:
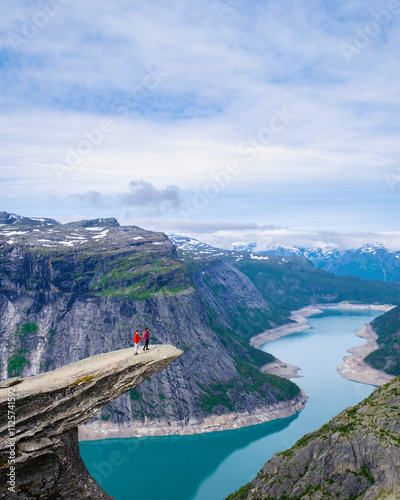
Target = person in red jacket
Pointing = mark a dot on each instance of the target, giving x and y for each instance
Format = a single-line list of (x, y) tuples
[(146, 338), (137, 338)]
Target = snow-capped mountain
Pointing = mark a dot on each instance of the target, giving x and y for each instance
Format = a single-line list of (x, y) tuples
[(191, 245), (195, 249), (7, 219), (373, 261), (240, 246)]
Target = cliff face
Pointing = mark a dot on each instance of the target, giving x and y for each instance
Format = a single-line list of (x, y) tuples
[(39, 451), (355, 455), (73, 291), (76, 290), (387, 357)]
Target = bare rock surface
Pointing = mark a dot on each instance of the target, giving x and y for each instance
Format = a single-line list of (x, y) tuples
[(41, 444)]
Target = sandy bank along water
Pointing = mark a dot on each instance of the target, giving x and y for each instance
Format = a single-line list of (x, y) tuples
[(354, 367), (104, 430)]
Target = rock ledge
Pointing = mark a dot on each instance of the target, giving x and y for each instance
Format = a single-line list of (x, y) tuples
[(39, 431)]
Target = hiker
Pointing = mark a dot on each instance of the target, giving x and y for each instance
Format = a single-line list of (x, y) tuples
[(137, 338), (146, 338)]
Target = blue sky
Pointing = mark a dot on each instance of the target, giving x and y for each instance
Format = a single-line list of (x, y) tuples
[(228, 120)]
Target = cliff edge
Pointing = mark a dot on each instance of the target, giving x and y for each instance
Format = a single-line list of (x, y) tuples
[(39, 418)]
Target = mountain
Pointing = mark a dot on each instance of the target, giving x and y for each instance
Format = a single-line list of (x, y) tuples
[(387, 357), (371, 262), (70, 291), (241, 247), (51, 406), (355, 455), (189, 246), (29, 223)]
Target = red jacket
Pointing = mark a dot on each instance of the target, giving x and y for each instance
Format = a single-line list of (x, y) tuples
[(137, 338)]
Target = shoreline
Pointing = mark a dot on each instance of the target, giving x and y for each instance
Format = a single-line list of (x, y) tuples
[(300, 323), (228, 421), (353, 368)]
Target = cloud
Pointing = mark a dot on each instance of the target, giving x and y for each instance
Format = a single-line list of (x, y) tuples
[(145, 194), (93, 198), (186, 87), (196, 227), (266, 239), (141, 195), (223, 234)]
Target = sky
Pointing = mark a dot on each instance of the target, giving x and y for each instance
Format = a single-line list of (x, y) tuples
[(267, 121)]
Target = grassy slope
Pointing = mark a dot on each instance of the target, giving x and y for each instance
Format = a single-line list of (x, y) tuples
[(299, 283)]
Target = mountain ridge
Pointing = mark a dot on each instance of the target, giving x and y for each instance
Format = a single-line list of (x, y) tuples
[(372, 261)]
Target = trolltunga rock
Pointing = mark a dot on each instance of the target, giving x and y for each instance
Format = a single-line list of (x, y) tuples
[(39, 451)]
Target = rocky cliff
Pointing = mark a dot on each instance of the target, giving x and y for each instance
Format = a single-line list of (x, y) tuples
[(76, 290), (39, 451), (355, 455), (387, 356)]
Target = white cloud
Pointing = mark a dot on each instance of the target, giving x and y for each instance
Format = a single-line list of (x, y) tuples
[(266, 239), (221, 84)]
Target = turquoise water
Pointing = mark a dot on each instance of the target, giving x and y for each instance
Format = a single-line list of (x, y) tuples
[(210, 466)]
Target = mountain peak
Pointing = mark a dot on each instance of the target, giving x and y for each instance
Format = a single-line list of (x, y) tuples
[(9, 219), (240, 246), (108, 222)]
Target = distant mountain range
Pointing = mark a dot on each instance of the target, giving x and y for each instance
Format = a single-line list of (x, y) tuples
[(370, 262)]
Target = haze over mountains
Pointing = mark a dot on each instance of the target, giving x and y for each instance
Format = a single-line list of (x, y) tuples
[(372, 261)]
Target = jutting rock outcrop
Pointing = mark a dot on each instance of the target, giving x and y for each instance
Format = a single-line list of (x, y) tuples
[(355, 455), (39, 416)]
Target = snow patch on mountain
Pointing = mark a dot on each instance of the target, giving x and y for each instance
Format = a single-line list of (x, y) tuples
[(240, 246)]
